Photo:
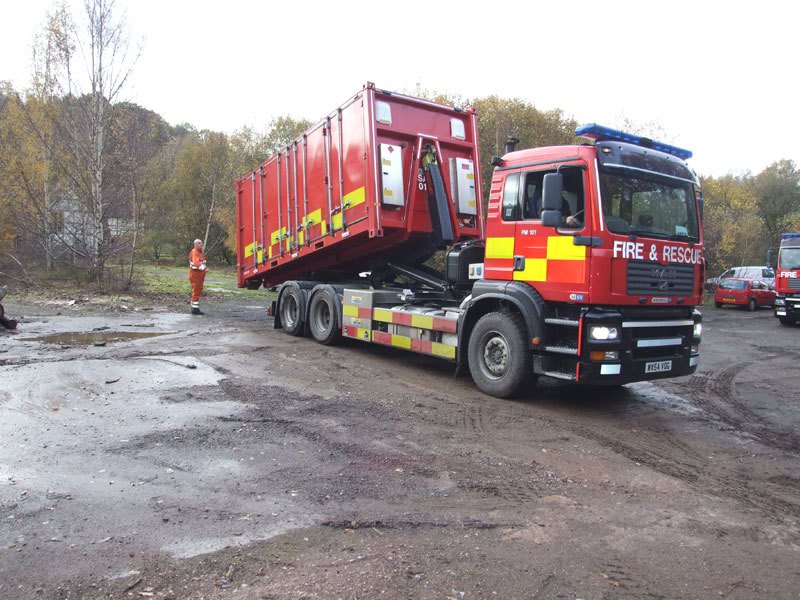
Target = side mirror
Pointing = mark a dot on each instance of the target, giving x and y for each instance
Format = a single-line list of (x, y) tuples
[(552, 187)]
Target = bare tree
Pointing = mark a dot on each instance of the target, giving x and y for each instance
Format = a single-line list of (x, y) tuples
[(82, 70)]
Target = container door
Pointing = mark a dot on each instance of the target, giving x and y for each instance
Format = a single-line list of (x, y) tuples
[(392, 175), (462, 182)]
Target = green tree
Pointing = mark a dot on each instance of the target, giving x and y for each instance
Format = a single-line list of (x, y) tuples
[(777, 193)]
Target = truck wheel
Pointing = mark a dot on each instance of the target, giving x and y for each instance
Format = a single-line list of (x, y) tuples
[(322, 318), (499, 358), (751, 306), (291, 309)]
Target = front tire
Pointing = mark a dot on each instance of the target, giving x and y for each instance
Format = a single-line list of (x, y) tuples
[(322, 318), (499, 357), (787, 322), (751, 305)]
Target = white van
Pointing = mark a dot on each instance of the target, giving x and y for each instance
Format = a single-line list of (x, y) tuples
[(762, 273)]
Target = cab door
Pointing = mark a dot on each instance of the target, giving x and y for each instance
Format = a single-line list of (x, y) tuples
[(501, 220), (550, 260)]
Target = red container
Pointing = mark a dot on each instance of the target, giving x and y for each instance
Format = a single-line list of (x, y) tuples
[(351, 193)]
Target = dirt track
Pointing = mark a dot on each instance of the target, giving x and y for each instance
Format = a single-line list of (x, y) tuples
[(226, 459)]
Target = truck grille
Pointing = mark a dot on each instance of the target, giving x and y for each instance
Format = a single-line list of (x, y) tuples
[(653, 278), (794, 284)]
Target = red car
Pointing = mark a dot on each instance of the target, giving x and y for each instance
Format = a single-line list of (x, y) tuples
[(750, 293)]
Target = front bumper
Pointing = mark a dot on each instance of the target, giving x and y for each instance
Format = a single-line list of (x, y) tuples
[(787, 307), (648, 349)]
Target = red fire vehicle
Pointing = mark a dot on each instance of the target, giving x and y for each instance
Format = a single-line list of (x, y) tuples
[(587, 267), (745, 293), (787, 280)]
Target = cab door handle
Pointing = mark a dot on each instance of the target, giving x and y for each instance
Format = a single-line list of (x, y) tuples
[(519, 263)]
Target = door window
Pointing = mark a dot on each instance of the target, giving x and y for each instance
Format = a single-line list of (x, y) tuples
[(511, 198), (572, 200)]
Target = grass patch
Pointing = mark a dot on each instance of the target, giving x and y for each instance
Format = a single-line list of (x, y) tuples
[(174, 281)]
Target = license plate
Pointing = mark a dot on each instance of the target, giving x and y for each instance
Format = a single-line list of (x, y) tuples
[(729, 299), (660, 366)]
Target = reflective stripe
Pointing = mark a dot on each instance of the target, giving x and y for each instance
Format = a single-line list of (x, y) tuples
[(350, 200), (359, 333), (500, 247), (350, 310), (535, 270), (401, 341), (422, 321), (443, 324), (443, 350), (562, 247), (382, 314)]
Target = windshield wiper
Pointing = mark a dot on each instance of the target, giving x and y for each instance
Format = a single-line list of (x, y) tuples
[(648, 233), (683, 237)]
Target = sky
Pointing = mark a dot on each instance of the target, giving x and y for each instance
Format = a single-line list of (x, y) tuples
[(719, 78)]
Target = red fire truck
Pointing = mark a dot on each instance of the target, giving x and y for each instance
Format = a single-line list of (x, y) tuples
[(587, 266), (787, 280)]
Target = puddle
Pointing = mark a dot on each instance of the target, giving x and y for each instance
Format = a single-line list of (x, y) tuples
[(91, 338)]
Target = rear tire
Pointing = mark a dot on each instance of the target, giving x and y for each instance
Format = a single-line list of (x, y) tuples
[(292, 308), (499, 357), (751, 305), (323, 319)]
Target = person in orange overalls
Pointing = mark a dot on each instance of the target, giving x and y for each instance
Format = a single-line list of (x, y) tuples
[(197, 274)]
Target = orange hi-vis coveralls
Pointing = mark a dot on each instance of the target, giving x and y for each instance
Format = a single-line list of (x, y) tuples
[(197, 275)]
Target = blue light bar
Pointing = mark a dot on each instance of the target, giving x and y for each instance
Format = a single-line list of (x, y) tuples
[(790, 236), (599, 133)]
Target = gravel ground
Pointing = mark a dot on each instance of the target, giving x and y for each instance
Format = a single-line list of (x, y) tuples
[(226, 459)]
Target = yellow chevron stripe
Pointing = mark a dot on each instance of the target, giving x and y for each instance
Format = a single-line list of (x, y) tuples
[(443, 350), (562, 247), (500, 247), (535, 270), (401, 341), (382, 314), (422, 322)]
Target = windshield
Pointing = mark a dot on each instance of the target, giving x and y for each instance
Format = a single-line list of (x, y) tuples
[(653, 207), (789, 258), (733, 284)]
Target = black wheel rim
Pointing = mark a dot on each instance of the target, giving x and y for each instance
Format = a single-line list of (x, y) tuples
[(494, 355), (290, 312)]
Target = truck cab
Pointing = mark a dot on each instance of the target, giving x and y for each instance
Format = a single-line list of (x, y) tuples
[(609, 237), (787, 280)]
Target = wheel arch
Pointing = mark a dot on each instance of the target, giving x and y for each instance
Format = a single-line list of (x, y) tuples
[(489, 296)]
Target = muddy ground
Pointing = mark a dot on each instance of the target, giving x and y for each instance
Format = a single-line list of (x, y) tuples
[(224, 459)]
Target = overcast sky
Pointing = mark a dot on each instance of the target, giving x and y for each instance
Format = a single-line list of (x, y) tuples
[(721, 78)]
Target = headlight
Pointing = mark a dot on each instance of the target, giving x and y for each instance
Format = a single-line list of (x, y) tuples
[(698, 329), (601, 332), (780, 302)]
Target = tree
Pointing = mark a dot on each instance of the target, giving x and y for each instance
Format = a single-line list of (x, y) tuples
[(499, 118), (777, 193), (733, 232), (83, 69)]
